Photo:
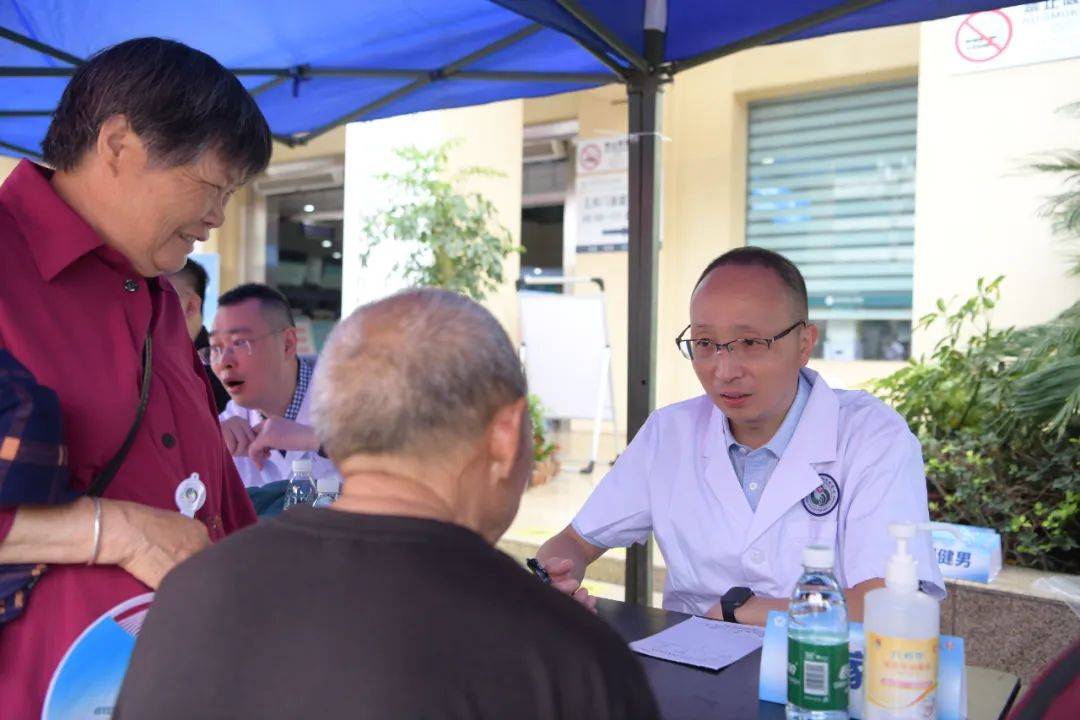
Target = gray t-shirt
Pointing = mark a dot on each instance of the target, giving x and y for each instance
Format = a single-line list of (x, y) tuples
[(327, 614)]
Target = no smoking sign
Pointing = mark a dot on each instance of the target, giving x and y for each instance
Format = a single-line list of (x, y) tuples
[(590, 157), (982, 36)]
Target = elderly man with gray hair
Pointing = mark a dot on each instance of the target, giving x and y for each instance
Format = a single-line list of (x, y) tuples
[(392, 603)]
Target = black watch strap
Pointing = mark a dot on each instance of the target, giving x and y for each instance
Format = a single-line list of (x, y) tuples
[(732, 600)]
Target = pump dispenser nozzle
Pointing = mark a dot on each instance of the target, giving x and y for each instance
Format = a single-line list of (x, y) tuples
[(898, 620), (902, 572)]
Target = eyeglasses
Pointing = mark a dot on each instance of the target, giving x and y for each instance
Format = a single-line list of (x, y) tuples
[(214, 353), (743, 348)]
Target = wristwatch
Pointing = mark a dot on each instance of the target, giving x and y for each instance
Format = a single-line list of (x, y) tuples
[(732, 600)]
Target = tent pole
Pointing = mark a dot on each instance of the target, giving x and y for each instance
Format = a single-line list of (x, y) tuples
[(19, 39), (21, 71), (266, 86), (21, 150), (604, 34), (433, 76), (779, 32), (645, 106)]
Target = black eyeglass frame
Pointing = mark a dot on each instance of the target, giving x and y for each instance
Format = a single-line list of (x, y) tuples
[(688, 352)]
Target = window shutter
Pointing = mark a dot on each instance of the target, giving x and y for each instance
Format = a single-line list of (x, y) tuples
[(831, 186)]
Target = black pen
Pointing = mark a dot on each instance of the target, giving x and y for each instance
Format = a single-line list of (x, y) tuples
[(538, 570)]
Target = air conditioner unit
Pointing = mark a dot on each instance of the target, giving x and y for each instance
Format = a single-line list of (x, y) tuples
[(300, 176), (536, 151)]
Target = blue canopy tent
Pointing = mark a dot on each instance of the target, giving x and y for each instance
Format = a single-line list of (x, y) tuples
[(314, 66)]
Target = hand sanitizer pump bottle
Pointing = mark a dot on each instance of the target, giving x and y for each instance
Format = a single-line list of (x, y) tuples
[(902, 627)]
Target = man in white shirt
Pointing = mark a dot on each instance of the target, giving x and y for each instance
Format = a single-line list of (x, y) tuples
[(736, 482), (252, 351)]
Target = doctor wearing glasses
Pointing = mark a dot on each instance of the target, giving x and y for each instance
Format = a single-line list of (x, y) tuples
[(735, 482)]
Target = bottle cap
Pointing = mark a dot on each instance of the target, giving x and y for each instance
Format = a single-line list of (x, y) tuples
[(327, 485), (818, 556), (301, 466)]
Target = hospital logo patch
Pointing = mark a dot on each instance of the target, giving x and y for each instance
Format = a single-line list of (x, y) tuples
[(823, 498)]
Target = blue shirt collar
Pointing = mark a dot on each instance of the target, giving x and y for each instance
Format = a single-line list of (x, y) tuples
[(780, 439)]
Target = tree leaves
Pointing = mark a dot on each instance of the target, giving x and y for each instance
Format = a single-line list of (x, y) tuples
[(454, 238)]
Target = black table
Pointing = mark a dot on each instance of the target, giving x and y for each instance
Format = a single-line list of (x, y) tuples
[(689, 693)]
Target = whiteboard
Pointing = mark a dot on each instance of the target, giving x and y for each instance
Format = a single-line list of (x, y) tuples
[(566, 353)]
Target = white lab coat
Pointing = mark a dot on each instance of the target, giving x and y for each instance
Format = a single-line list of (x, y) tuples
[(676, 480), (278, 466)]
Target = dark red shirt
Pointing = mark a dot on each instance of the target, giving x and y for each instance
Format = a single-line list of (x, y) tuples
[(76, 312)]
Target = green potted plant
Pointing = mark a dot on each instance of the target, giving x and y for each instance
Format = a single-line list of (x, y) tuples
[(546, 465), (455, 242)]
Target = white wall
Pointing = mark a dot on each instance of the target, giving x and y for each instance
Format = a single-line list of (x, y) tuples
[(976, 206), (7, 164), (489, 135)]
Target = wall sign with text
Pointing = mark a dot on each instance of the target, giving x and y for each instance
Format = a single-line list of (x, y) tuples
[(603, 194), (1021, 35)]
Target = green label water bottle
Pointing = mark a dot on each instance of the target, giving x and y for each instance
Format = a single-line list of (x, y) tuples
[(818, 675), (818, 670)]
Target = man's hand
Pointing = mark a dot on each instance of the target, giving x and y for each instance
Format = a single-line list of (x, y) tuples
[(238, 435), (277, 433), (565, 558), (560, 571), (146, 541)]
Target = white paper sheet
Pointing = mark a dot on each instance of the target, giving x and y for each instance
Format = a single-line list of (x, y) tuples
[(703, 643)]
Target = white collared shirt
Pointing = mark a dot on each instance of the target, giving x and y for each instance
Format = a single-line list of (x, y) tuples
[(278, 466), (676, 480)]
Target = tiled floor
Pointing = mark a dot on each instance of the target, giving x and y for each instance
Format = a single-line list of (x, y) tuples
[(547, 509)]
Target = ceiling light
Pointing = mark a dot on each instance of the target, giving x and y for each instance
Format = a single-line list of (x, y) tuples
[(336, 255), (309, 208), (327, 243)]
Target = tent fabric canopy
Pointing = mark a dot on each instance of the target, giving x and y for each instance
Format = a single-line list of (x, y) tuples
[(314, 66)]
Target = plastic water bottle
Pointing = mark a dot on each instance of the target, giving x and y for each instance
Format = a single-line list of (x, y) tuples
[(301, 488), (818, 670), (326, 491)]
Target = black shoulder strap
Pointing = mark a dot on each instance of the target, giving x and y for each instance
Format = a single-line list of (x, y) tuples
[(102, 479)]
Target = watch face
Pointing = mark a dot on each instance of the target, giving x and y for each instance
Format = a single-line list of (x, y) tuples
[(736, 596)]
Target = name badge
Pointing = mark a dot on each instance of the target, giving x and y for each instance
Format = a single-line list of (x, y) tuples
[(190, 495)]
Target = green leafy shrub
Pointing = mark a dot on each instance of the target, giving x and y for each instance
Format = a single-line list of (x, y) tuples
[(453, 237), (998, 414)]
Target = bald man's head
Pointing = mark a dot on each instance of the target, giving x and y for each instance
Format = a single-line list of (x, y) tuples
[(412, 375)]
